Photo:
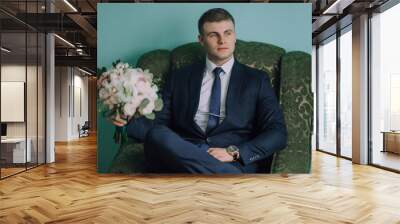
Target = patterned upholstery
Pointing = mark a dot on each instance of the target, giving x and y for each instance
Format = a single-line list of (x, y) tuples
[(290, 75), (185, 55), (297, 104), (265, 57)]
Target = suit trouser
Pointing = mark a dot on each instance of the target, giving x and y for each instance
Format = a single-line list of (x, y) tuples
[(167, 152)]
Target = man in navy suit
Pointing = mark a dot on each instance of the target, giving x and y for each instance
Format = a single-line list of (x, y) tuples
[(219, 116)]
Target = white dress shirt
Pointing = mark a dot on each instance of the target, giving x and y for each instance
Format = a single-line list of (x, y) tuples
[(201, 117)]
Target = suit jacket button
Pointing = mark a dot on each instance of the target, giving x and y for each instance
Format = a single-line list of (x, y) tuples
[(208, 140)]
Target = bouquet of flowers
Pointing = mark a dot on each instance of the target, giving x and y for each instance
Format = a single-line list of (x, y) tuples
[(125, 92)]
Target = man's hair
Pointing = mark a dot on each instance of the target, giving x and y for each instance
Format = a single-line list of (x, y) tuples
[(214, 15)]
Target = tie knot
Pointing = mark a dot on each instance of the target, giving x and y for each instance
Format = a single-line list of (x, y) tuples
[(217, 71)]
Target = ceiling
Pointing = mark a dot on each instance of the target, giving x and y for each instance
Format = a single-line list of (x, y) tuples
[(76, 22)]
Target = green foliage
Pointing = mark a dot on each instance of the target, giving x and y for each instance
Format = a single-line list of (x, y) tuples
[(151, 116), (114, 64), (143, 104), (158, 104)]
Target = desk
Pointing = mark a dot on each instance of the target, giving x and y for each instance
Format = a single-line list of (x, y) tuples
[(391, 141), (15, 148)]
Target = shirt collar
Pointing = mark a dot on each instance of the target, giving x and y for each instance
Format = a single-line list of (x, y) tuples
[(227, 67)]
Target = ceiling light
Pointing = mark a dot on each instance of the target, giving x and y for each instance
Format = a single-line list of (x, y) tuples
[(337, 7), (70, 5), (5, 50), (64, 40), (329, 9), (86, 72)]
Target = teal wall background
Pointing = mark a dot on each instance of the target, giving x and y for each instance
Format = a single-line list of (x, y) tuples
[(126, 31)]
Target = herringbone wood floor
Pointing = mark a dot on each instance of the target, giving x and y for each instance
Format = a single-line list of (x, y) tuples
[(70, 191)]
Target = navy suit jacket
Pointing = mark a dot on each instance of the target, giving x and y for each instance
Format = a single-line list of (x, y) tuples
[(254, 121)]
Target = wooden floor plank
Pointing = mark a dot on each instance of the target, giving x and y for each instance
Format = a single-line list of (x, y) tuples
[(71, 191)]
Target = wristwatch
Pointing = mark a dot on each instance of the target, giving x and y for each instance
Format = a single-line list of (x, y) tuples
[(233, 150)]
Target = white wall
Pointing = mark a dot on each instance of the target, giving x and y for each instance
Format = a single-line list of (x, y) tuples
[(70, 83), (16, 73), (80, 89), (61, 103)]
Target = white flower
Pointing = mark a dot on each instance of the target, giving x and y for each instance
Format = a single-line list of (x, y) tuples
[(115, 79), (103, 78), (129, 109), (155, 88), (122, 96), (122, 66), (104, 93), (143, 87), (148, 75), (125, 88), (113, 99), (131, 75), (104, 83)]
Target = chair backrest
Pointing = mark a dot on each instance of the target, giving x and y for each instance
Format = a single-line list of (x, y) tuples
[(86, 125), (258, 55)]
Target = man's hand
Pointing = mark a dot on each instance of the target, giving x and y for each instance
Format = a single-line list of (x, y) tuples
[(220, 154), (120, 120)]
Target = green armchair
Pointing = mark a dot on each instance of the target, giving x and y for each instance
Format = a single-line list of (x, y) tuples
[(290, 75)]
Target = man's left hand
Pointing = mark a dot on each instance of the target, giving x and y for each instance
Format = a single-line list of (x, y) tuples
[(220, 154)]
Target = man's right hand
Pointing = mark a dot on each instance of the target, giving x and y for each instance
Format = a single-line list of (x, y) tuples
[(120, 120), (119, 123)]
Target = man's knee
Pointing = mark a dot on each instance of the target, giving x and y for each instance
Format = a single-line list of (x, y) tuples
[(150, 135), (154, 135), (159, 140), (162, 136)]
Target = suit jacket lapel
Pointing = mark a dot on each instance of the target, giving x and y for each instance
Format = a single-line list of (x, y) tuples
[(196, 79)]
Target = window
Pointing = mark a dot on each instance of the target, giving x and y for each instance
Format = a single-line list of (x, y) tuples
[(346, 92), (22, 66), (385, 88), (327, 95)]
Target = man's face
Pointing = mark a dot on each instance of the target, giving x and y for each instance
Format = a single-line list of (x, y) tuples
[(218, 39)]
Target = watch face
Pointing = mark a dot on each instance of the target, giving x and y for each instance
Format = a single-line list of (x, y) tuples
[(231, 149)]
